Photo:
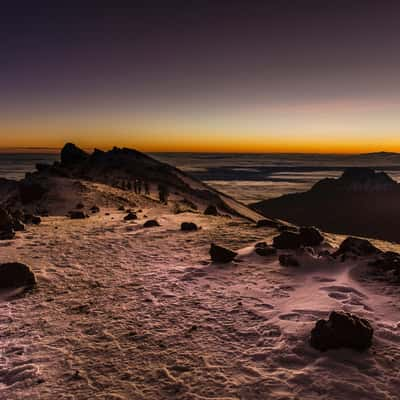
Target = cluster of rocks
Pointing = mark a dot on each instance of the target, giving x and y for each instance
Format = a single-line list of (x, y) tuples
[(13, 221), (307, 236), (342, 330)]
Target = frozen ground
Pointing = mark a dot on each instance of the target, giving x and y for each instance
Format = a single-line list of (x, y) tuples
[(123, 312)]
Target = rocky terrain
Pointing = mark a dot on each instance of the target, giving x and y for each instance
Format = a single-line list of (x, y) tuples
[(184, 294), (361, 202)]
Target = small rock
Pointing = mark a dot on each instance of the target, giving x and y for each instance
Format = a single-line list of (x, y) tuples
[(95, 209), (16, 275), (130, 216), (77, 215), (151, 223), (189, 226), (342, 330), (221, 254), (288, 260)]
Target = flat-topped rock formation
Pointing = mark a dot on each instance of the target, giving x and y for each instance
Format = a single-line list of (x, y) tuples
[(361, 202)]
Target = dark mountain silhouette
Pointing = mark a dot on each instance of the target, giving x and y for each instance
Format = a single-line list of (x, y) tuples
[(361, 202)]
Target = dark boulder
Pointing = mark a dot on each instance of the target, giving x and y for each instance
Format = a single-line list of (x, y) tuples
[(287, 240), (16, 275), (342, 330), (77, 215), (130, 216), (266, 223), (264, 250), (151, 223), (211, 210), (288, 260), (189, 226), (221, 254), (310, 236), (71, 154), (356, 246), (31, 192)]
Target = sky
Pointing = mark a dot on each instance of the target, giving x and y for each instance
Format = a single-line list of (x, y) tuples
[(234, 76)]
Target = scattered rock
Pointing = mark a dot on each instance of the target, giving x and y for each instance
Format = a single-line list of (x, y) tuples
[(151, 223), (16, 275), (310, 236), (130, 216), (288, 260), (342, 330), (266, 223), (77, 215), (263, 249), (211, 210), (189, 226), (221, 254), (356, 246), (287, 240), (95, 209)]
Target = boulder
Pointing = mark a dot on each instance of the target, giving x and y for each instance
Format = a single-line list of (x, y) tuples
[(16, 275), (266, 223), (310, 236), (130, 216), (287, 240), (211, 210), (189, 226), (151, 223), (288, 260), (357, 246), (221, 254), (342, 330), (264, 250), (77, 215)]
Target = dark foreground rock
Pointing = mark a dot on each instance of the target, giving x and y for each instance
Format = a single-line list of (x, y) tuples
[(77, 215), (32, 219), (288, 260), (189, 226), (357, 247), (310, 236), (16, 275), (264, 250), (342, 330), (130, 216), (151, 223), (211, 210), (95, 209), (6, 225), (287, 240), (221, 254)]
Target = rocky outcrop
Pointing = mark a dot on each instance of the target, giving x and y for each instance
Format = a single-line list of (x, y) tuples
[(72, 155), (361, 202), (357, 247), (342, 330), (15, 274), (221, 254)]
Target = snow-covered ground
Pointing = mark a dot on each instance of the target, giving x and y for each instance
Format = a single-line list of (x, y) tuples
[(124, 312)]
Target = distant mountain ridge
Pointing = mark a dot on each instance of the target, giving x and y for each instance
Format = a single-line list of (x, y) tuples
[(361, 202)]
